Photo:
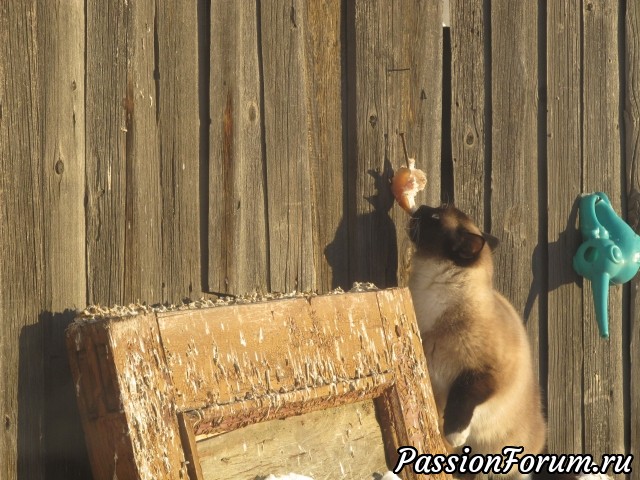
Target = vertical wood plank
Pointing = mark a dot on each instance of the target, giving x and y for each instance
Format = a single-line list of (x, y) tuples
[(514, 195), (373, 251), (603, 403), (21, 242), (564, 168), (324, 63), (143, 208), (238, 241), (632, 164), (124, 242), (415, 103), (468, 107), (287, 130), (62, 30), (175, 100), (397, 57), (105, 163)]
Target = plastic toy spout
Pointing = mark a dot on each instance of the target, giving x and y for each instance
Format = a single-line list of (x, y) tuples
[(600, 287)]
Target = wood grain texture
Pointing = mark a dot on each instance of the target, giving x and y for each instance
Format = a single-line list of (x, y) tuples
[(564, 167), (324, 46), (62, 48), (123, 387), (250, 354), (514, 170), (123, 159), (343, 442), (409, 404), (603, 399), (287, 126), (396, 55), (632, 164), (222, 368), (468, 107), (237, 196), (175, 99), (22, 232)]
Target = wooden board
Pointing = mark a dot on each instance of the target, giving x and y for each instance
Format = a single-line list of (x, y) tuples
[(324, 25), (189, 375), (142, 145), (123, 157), (342, 442), (43, 273), (22, 236), (175, 100), (469, 76), (564, 174), (287, 126), (603, 399), (237, 183), (63, 165), (514, 151), (394, 58), (632, 163)]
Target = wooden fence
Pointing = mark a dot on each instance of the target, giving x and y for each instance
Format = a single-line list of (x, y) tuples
[(159, 150)]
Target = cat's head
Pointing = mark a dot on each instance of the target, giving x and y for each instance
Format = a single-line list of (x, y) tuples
[(447, 233)]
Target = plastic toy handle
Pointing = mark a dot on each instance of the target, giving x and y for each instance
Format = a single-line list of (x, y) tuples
[(600, 287)]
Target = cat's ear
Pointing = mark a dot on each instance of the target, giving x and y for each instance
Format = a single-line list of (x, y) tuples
[(469, 245), (492, 241)]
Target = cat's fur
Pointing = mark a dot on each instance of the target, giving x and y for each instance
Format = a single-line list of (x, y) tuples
[(476, 345)]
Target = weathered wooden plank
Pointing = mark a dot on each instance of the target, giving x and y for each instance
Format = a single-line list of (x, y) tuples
[(324, 56), (62, 33), (246, 341), (22, 238), (105, 162), (603, 402), (124, 245), (468, 107), (123, 385), (414, 102), (412, 387), (287, 126), (514, 186), (373, 248), (632, 163), (343, 442), (564, 174), (395, 54), (237, 201), (175, 100)]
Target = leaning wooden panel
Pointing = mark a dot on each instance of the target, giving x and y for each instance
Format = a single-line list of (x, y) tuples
[(172, 380), (125, 397)]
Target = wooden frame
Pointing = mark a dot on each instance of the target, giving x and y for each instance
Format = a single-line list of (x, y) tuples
[(151, 383)]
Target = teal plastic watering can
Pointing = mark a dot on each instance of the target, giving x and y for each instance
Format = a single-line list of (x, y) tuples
[(610, 254)]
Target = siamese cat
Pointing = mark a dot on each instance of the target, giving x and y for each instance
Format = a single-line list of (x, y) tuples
[(476, 345)]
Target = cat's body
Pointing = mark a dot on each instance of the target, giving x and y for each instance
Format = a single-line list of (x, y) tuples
[(476, 346)]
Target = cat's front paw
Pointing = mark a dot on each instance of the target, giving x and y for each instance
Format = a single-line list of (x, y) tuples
[(457, 439)]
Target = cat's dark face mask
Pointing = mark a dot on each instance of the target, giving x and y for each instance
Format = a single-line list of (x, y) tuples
[(446, 232)]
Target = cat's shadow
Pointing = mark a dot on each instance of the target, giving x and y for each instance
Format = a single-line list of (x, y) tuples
[(365, 246)]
